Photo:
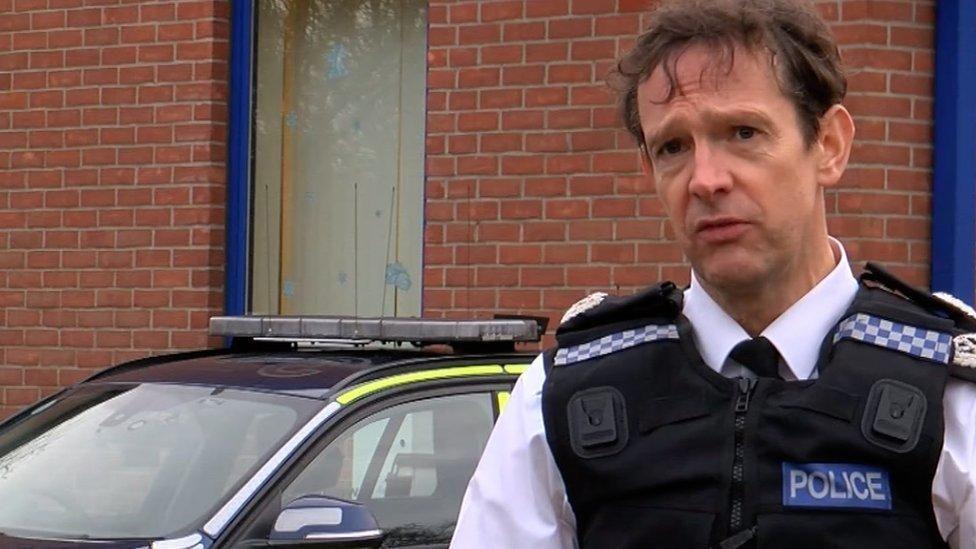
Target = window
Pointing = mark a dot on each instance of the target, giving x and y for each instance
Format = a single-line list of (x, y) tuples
[(410, 464), (338, 157), (134, 461)]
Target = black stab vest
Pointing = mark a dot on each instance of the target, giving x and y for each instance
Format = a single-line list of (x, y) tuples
[(665, 474)]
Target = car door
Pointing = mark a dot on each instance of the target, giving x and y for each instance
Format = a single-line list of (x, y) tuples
[(407, 457)]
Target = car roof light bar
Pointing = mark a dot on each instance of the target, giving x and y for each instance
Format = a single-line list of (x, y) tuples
[(412, 330)]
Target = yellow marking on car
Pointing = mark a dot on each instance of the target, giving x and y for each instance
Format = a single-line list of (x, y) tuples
[(381, 384), (515, 369), (502, 397)]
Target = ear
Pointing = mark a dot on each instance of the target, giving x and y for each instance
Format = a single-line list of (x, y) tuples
[(834, 142)]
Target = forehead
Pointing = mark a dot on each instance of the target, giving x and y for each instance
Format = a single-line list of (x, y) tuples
[(709, 78)]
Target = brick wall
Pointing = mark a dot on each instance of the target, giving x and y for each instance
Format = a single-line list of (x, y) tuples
[(112, 176), (534, 196), (112, 168)]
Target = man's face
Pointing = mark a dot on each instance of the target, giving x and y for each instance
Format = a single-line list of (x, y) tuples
[(730, 163)]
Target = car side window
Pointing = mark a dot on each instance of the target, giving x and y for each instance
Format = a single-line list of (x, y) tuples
[(410, 464)]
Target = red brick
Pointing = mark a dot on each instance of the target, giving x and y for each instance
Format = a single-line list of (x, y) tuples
[(460, 57), (501, 232), (876, 9), (568, 164), (119, 55), (521, 209), (570, 28), (614, 207), (542, 276), (497, 10), (546, 96), (861, 203), (86, 96), (546, 142), (518, 32), (463, 13), (120, 15), (479, 34), (878, 58), (520, 254), (522, 120), (617, 25), (501, 142), (29, 41), (592, 140), (478, 77), (477, 165), (462, 144), (564, 254), (567, 209), (546, 231), (478, 121), (590, 230), (67, 38), (519, 165), (636, 5), (524, 74), (569, 118)]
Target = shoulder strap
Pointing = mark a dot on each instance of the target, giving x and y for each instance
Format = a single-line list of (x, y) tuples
[(963, 362), (661, 301)]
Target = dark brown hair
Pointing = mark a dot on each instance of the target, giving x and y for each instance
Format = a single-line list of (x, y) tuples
[(796, 39)]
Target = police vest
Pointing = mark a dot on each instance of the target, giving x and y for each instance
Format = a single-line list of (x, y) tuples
[(658, 450)]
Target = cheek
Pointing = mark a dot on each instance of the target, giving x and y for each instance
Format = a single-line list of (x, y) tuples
[(792, 200), (674, 197), (667, 192)]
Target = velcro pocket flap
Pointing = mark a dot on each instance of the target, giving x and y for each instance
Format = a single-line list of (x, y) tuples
[(672, 409), (826, 400)]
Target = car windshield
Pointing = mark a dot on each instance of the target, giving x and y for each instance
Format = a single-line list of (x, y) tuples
[(136, 461)]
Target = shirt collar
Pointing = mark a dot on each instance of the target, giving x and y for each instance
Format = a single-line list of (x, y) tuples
[(797, 333)]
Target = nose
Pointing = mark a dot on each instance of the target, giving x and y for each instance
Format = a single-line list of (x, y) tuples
[(709, 174)]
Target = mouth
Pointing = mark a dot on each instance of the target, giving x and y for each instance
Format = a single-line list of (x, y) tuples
[(717, 230)]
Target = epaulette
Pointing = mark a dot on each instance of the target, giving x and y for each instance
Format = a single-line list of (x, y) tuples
[(662, 300), (963, 364)]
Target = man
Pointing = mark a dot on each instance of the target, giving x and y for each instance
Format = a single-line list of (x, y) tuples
[(774, 403)]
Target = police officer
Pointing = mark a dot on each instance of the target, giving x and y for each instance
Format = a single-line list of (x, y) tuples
[(777, 401)]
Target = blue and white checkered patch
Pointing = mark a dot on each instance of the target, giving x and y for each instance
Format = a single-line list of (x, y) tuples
[(919, 342), (615, 342)]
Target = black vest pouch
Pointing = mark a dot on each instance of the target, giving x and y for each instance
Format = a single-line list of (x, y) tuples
[(632, 525), (840, 530), (597, 421)]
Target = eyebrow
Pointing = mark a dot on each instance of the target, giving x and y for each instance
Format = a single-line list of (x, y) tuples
[(711, 116)]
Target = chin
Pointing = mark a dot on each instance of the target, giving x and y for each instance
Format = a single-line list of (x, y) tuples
[(731, 275)]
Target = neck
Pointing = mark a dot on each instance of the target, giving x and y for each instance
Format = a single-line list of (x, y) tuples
[(757, 307)]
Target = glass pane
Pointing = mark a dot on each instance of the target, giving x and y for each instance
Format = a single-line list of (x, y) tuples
[(141, 461), (413, 460), (339, 144)]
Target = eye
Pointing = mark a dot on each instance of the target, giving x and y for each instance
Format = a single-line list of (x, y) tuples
[(670, 147), (745, 132)]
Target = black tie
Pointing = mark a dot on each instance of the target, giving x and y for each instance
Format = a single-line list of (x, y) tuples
[(759, 355)]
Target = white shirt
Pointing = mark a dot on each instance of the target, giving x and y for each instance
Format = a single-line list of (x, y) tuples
[(517, 498)]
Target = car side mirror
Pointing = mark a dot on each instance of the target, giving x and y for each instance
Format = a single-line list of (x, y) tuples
[(319, 521)]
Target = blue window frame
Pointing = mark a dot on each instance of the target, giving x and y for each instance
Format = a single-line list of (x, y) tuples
[(239, 156), (954, 177)]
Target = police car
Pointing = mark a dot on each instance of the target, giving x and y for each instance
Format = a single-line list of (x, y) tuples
[(302, 433)]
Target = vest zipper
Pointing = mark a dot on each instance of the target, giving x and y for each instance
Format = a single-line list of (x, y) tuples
[(743, 393)]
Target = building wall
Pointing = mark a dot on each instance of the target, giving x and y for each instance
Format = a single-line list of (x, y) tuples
[(112, 178), (112, 168), (534, 195)]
